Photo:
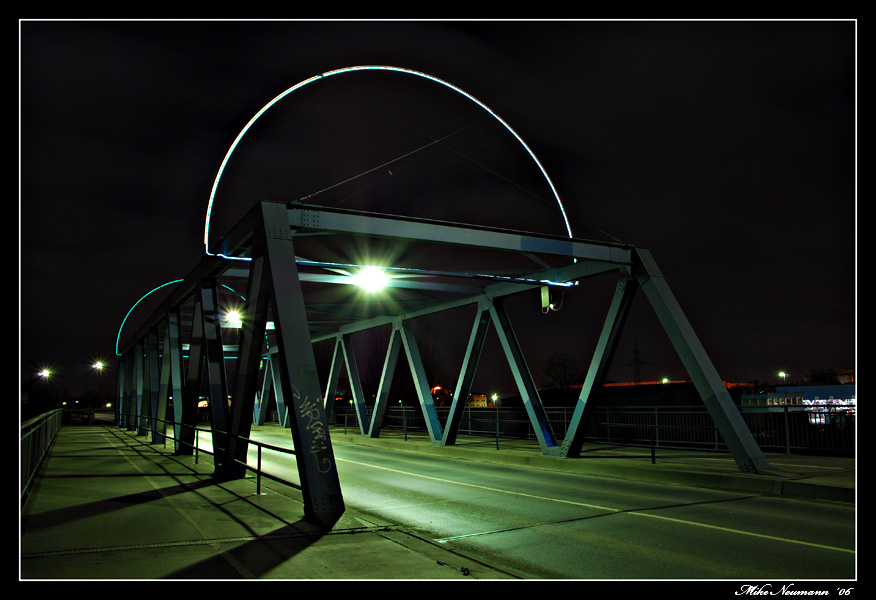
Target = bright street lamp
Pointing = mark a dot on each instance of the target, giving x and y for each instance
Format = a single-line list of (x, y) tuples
[(371, 278)]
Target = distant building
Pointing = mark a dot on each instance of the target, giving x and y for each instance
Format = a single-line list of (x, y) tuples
[(822, 402)]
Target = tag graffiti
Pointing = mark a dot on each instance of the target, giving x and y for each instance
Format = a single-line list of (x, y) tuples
[(310, 414)]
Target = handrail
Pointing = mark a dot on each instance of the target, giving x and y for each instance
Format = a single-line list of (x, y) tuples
[(37, 435), (259, 445)]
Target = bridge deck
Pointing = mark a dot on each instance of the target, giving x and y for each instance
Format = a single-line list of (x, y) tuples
[(110, 505)]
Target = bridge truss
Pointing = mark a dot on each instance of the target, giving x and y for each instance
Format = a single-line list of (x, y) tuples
[(289, 261)]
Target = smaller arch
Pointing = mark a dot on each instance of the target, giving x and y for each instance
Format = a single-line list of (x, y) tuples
[(119, 335)]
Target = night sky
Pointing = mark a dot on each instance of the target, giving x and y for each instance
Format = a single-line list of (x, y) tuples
[(728, 149)]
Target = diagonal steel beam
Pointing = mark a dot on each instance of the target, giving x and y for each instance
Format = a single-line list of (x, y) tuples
[(618, 310), (331, 386), (386, 375), (250, 344), (355, 384), (152, 384), (421, 383), (170, 383), (323, 501), (467, 372), (215, 368), (525, 383), (727, 417)]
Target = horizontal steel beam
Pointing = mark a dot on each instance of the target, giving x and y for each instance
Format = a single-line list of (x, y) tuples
[(423, 230), (498, 290)]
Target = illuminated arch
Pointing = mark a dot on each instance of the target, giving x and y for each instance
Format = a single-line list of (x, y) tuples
[(135, 306), (366, 68)]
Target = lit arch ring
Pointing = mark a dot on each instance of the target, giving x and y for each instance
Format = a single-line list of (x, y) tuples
[(367, 68), (119, 335)]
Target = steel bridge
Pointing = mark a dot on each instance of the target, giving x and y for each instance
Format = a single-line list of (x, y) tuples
[(288, 261)]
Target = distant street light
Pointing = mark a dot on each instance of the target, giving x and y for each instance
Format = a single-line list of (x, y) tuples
[(45, 373), (784, 377), (98, 366)]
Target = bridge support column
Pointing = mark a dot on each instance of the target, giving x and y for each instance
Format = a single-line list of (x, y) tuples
[(274, 282)]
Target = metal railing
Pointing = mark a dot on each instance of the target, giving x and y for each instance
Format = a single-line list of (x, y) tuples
[(197, 450), (37, 436), (794, 430)]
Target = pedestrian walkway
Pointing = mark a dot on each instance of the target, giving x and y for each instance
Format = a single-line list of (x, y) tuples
[(111, 505)]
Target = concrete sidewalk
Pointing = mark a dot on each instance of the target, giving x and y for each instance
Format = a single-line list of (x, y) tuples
[(110, 505)]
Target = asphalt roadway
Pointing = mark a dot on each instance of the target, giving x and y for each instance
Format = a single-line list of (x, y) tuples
[(109, 505)]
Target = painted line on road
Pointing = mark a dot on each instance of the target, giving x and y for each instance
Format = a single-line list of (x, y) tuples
[(598, 507)]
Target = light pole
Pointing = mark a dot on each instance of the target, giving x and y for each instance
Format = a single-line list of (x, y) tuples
[(784, 377), (495, 399), (98, 366)]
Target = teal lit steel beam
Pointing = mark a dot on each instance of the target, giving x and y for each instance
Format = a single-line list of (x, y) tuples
[(523, 378), (382, 398), (142, 404), (331, 387), (421, 383), (355, 384), (152, 385), (314, 454), (120, 392), (467, 372), (250, 351), (217, 383), (194, 376), (171, 382), (738, 437), (320, 218), (619, 309), (271, 387)]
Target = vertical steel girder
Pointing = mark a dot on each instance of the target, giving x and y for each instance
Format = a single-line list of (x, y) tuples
[(142, 405), (323, 501), (192, 392), (215, 367), (151, 386), (171, 381), (250, 345), (120, 393)]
